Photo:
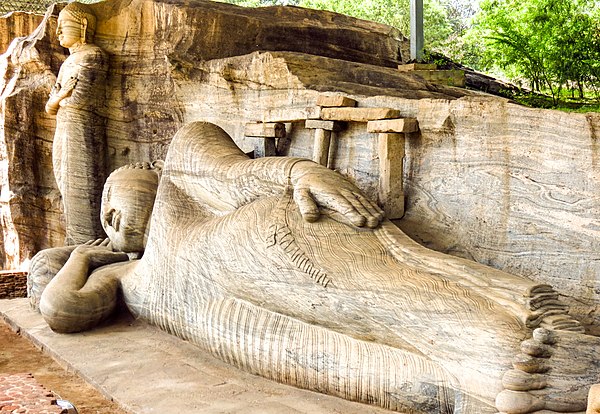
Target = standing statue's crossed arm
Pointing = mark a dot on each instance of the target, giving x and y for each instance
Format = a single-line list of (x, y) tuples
[(60, 92)]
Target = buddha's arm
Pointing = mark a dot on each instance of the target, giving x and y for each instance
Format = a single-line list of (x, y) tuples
[(80, 84), (73, 302), (60, 91), (212, 162), (91, 80)]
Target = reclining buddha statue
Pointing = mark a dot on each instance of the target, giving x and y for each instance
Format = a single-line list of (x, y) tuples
[(285, 269)]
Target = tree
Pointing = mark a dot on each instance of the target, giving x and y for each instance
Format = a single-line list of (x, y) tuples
[(551, 43)]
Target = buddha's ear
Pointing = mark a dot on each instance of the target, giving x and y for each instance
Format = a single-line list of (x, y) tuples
[(84, 25)]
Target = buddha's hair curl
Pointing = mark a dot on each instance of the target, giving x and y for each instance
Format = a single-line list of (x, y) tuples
[(154, 166), (78, 11)]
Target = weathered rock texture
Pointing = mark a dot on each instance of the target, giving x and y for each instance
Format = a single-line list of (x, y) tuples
[(512, 187), (17, 24), (30, 203)]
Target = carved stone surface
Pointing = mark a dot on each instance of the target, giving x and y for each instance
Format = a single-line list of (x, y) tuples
[(79, 146), (511, 187), (594, 400), (240, 262)]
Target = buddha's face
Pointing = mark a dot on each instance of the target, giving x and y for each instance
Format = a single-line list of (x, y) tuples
[(68, 30), (126, 209)]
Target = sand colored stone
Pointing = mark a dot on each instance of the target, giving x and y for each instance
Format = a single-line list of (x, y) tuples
[(274, 246)]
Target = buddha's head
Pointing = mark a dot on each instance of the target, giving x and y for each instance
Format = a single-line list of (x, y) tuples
[(127, 202), (76, 25)]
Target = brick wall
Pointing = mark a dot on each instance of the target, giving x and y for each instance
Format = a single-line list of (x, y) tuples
[(13, 284)]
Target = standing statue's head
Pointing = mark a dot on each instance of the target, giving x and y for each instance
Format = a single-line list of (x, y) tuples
[(76, 25), (127, 202)]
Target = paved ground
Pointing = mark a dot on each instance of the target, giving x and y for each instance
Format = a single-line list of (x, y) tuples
[(19, 356), (145, 370)]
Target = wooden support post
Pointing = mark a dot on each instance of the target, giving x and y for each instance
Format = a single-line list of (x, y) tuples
[(322, 140), (265, 135), (265, 147), (392, 135), (321, 146), (391, 191)]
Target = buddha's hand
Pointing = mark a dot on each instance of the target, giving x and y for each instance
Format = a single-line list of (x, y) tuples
[(67, 88), (66, 91), (317, 188), (99, 253)]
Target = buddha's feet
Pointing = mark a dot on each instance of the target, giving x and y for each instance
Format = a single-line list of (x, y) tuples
[(552, 374)]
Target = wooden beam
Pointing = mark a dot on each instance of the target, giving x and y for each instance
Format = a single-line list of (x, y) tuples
[(399, 125), (335, 100), (265, 129), (358, 114), (319, 124)]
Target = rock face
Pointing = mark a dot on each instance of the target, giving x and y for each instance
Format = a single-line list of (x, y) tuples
[(511, 187), (31, 208), (507, 186), (143, 110), (17, 24)]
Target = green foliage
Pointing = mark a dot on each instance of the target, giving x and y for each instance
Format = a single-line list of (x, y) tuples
[(392, 12), (553, 44), (262, 3), (437, 26)]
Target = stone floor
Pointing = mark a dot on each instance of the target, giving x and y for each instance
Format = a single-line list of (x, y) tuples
[(145, 370)]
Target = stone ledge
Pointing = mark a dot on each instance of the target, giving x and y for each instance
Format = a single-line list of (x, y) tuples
[(265, 130), (335, 100), (399, 125), (148, 371), (409, 67)]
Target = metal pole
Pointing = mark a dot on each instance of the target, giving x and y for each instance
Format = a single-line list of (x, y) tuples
[(416, 30)]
